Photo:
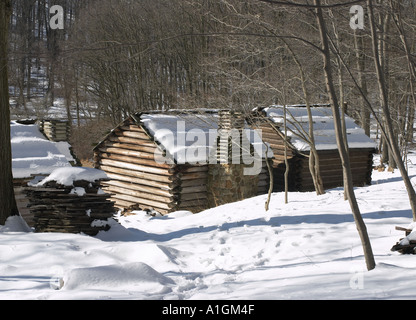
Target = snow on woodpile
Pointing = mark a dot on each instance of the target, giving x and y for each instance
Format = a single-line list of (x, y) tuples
[(323, 125), (67, 176), (70, 200), (32, 153)]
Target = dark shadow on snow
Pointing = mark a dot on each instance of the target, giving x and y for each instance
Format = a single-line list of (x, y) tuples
[(131, 234)]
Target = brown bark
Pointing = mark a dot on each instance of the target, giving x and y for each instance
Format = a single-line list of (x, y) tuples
[(362, 230), (8, 205), (394, 148)]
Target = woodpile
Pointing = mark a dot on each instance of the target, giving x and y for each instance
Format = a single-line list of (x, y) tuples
[(81, 208), (22, 201), (408, 247), (56, 130)]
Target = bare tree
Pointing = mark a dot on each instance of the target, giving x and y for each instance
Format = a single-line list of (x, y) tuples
[(343, 149), (390, 134), (8, 205)]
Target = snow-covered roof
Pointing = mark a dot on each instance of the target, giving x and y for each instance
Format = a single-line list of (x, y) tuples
[(323, 128), (32, 153), (191, 136)]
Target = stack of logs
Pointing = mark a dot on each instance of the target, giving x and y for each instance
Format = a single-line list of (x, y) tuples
[(56, 130), (81, 208), (405, 248)]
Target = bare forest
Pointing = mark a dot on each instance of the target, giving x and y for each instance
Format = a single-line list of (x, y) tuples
[(114, 57)]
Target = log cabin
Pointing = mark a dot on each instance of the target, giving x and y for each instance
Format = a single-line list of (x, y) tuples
[(169, 161), (297, 143)]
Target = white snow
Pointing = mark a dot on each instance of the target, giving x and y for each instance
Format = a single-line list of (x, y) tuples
[(192, 138), (67, 176), (32, 153), (307, 249), (323, 128)]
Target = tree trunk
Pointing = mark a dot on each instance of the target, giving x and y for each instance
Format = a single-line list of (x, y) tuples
[(394, 148), (314, 165), (286, 160), (362, 230), (8, 205), (360, 56)]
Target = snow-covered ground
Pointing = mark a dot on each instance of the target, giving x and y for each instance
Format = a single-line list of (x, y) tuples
[(307, 249)]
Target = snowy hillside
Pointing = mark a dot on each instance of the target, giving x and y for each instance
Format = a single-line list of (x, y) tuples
[(308, 249)]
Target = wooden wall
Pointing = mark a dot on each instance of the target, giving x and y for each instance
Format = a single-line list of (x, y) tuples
[(192, 192), (127, 156), (137, 181), (56, 130), (300, 178)]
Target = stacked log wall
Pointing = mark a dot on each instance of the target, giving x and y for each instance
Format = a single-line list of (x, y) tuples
[(56, 130), (193, 187), (361, 161), (300, 178), (277, 144), (264, 179), (136, 179)]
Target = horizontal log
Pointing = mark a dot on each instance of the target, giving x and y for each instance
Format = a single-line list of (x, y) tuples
[(325, 172), (263, 176), (129, 153), (122, 204), (136, 167), (263, 183), (280, 157), (190, 169), (147, 147), (335, 170), (196, 203), (141, 188), (132, 134), (194, 189), (145, 178), (269, 135), (139, 194), (195, 175), (193, 182), (143, 182), (140, 201), (337, 161), (135, 128), (403, 229), (193, 196), (122, 139), (262, 189), (133, 160)]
